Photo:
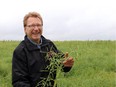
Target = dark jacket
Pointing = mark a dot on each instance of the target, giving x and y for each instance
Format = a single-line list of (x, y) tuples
[(29, 61)]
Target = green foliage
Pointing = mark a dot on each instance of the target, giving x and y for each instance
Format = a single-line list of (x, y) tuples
[(55, 66), (95, 63), (6, 51)]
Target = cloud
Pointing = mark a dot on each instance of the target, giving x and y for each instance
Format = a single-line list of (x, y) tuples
[(63, 19)]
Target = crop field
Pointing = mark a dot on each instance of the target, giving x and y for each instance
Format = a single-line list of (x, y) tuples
[(94, 66)]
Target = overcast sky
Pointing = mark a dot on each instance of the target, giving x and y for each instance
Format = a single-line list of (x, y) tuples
[(63, 19)]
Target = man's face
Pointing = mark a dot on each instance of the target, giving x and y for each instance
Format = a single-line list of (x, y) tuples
[(34, 29)]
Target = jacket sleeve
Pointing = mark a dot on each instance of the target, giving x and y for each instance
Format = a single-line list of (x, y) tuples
[(19, 69), (66, 69)]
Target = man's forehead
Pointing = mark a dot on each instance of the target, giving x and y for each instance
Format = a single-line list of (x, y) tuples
[(34, 20)]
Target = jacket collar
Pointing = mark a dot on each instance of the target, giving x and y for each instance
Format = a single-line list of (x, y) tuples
[(34, 42), (32, 46)]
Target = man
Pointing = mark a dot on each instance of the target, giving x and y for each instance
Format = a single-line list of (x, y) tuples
[(29, 58)]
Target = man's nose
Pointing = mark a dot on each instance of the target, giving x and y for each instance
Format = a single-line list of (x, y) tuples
[(36, 27)]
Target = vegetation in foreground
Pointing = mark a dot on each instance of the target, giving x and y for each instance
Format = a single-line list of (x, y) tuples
[(95, 63)]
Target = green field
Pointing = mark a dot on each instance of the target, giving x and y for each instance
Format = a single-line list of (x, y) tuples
[(95, 63)]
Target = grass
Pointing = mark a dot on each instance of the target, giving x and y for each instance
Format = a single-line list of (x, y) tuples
[(5, 62), (95, 63)]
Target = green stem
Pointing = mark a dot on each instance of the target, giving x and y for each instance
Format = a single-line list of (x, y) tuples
[(57, 75)]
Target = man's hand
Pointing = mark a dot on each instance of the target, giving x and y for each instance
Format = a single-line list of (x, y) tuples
[(68, 62)]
